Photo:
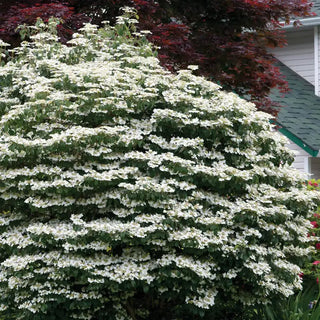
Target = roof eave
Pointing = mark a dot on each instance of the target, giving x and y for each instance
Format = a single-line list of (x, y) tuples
[(307, 22), (298, 141)]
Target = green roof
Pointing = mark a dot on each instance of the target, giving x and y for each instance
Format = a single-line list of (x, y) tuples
[(299, 117)]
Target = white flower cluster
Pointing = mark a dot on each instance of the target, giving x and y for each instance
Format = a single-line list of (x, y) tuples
[(117, 175)]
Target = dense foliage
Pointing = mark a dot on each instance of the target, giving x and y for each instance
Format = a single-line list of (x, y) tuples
[(228, 39), (311, 271), (128, 192)]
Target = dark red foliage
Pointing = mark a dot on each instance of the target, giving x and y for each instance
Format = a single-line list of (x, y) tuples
[(228, 39), (15, 13)]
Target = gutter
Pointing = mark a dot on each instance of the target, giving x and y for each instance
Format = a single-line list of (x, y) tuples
[(306, 22), (297, 141)]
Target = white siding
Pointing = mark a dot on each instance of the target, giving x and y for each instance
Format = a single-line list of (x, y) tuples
[(299, 53), (318, 58), (302, 158)]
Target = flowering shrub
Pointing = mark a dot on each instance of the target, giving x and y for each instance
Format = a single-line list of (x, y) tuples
[(312, 268), (130, 193), (313, 184)]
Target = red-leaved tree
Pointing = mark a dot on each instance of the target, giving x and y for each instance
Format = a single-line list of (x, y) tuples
[(15, 13), (228, 39)]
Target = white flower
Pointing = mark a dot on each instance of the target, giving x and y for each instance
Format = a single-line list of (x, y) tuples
[(193, 67), (4, 44)]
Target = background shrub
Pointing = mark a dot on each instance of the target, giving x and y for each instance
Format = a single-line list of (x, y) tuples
[(311, 270), (130, 193)]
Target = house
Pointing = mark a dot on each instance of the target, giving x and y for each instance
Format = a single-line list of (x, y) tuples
[(299, 119)]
